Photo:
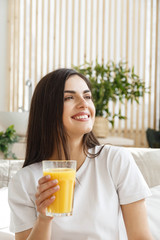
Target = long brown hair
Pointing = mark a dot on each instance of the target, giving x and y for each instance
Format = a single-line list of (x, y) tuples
[(45, 127)]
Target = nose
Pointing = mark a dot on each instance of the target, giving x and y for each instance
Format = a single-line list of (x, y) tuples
[(82, 103)]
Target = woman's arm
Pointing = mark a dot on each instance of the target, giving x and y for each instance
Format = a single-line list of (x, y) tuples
[(42, 227), (135, 219), (41, 230)]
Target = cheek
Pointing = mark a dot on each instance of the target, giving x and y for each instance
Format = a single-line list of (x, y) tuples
[(93, 110)]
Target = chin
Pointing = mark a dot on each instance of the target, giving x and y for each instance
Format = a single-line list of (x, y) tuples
[(88, 130)]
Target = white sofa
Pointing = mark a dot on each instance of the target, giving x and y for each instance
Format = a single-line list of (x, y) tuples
[(148, 161)]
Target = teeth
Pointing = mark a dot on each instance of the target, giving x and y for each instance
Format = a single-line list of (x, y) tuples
[(81, 117)]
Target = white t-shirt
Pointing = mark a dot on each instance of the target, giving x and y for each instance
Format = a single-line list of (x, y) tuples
[(103, 184)]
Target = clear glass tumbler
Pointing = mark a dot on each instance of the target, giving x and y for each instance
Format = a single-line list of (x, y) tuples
[(65, 173)]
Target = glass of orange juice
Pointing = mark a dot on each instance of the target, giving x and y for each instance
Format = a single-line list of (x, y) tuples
[(64, 171)]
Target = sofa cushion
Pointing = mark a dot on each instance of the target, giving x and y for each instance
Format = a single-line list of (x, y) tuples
[(148, 161), (6, 236), (153, 211), (7, 169), (4, 208)]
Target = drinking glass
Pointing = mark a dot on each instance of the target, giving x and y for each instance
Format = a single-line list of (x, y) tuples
[(64, 172)]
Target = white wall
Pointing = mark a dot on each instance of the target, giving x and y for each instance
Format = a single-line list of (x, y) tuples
[(3, 54)]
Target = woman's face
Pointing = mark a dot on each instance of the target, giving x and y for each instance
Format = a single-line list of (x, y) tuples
[(79, 110)]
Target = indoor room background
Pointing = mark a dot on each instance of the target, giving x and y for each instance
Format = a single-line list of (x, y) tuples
[(38, 36)]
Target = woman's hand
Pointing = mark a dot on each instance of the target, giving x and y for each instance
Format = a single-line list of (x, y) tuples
[(44, 195)]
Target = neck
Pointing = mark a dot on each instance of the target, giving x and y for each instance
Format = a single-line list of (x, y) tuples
[(76, 152)]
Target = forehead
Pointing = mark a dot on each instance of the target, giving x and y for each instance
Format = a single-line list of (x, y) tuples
[(75, 83)]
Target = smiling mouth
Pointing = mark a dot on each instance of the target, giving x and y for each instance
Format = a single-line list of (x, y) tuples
[(81, 117)]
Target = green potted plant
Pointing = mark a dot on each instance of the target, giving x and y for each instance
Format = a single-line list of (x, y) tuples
[(111, 82), (7, 139)]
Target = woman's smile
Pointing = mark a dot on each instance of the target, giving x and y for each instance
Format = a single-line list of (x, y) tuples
[(82, 116)]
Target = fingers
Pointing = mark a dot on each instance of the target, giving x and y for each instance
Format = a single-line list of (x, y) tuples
[(44, 195), (42, 207), (45, 185), (44, 179)]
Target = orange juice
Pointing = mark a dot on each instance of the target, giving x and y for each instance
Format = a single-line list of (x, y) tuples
[(64, 196)]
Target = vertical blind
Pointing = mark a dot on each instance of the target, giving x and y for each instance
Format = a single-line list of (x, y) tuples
[(48, 34)]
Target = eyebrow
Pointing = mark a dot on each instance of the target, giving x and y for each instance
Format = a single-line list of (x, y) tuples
[(71, 91)]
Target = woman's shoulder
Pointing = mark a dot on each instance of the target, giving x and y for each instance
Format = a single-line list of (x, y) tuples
[(113, 154), (111, 149), (28, 173), (32, 168)]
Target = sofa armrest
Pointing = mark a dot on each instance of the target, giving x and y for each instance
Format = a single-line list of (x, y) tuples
[(6, 235), (7, 169), (148, 161)]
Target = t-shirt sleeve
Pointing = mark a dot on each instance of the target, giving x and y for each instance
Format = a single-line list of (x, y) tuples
[(128, 179), (22, 207)]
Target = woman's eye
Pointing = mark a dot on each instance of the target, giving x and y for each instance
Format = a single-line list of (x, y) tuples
[(68, 98), (88, 97)]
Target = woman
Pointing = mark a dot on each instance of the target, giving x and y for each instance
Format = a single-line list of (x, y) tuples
[(108, 181)]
